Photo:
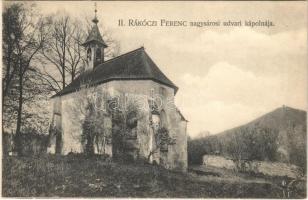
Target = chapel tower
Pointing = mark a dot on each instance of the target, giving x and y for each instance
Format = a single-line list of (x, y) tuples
[(94, 46)]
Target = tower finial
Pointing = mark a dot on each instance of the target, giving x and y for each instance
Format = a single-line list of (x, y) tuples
[(95, 20), (95, 5)]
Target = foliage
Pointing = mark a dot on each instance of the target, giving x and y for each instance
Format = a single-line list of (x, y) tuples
[(63, 56), (93, 129), (162, 137), (88, 109), (32, 143), (276, 136), (244, 144), (162, 141), (253, 144), (297, 145), (125, 116), (35, 48), (7, 146), (199, 147), (24, 34)]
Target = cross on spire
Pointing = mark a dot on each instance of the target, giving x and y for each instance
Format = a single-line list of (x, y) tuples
[(95, 20)]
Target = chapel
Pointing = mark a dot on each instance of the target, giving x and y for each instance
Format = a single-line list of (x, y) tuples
[(122, 107)]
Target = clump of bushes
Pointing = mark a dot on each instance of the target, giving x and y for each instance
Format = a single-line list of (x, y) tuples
[(31, 142)]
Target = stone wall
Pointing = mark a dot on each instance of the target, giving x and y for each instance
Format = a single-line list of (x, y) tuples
[(258, 167), (218, 161), (276, 169)]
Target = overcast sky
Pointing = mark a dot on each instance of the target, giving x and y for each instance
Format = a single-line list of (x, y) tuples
[(226, 76)]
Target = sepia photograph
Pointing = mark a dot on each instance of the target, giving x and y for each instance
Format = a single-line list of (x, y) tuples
[(154, 99)]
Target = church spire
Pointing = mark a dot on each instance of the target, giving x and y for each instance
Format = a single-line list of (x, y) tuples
[(94, 45), (95, 20), (94, 33)]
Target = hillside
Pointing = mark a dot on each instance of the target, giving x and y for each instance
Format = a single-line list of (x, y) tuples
[(279, 135), (279, 119), (60, 176)]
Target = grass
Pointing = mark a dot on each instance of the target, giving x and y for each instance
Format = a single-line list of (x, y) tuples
[(53, 176)]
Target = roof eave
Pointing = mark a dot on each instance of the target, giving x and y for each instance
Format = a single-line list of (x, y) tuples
[(114, 79), (93, 41)]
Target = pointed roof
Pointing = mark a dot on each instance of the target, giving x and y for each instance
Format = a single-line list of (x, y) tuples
[(134, 65), (94, 34)]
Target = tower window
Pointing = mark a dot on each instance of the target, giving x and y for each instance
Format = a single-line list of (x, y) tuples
[(98, 54), (89, 54)]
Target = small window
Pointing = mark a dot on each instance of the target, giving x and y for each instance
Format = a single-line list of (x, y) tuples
[(162, 91), (89, 54), (98, 54)]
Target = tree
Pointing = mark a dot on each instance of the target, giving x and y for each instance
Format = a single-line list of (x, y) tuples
[(297, 144), (252, 143), (10, 28), (27, 33), (62, 51), (63, 56), (125, 116)]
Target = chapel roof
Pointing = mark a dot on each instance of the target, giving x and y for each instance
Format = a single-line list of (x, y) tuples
[(134, 65)]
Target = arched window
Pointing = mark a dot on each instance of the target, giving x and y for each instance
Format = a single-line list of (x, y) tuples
[(98, 54), (89, 54)]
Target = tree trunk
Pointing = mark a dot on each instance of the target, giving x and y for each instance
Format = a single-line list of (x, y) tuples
[(63, 78), (58, 142), (90, 145), (73, 75), (7, 75), (18, 143), (64, 59), (104, 144)]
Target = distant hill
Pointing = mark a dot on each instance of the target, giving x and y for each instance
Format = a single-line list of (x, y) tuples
[(280, 119), (279, 135)]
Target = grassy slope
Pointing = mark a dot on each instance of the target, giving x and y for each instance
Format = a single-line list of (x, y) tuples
[(80, 177)]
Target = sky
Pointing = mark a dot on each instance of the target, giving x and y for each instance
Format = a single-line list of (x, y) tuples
[(227, 76)]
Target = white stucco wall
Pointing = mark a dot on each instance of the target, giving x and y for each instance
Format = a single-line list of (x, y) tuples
[(71, 122)]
